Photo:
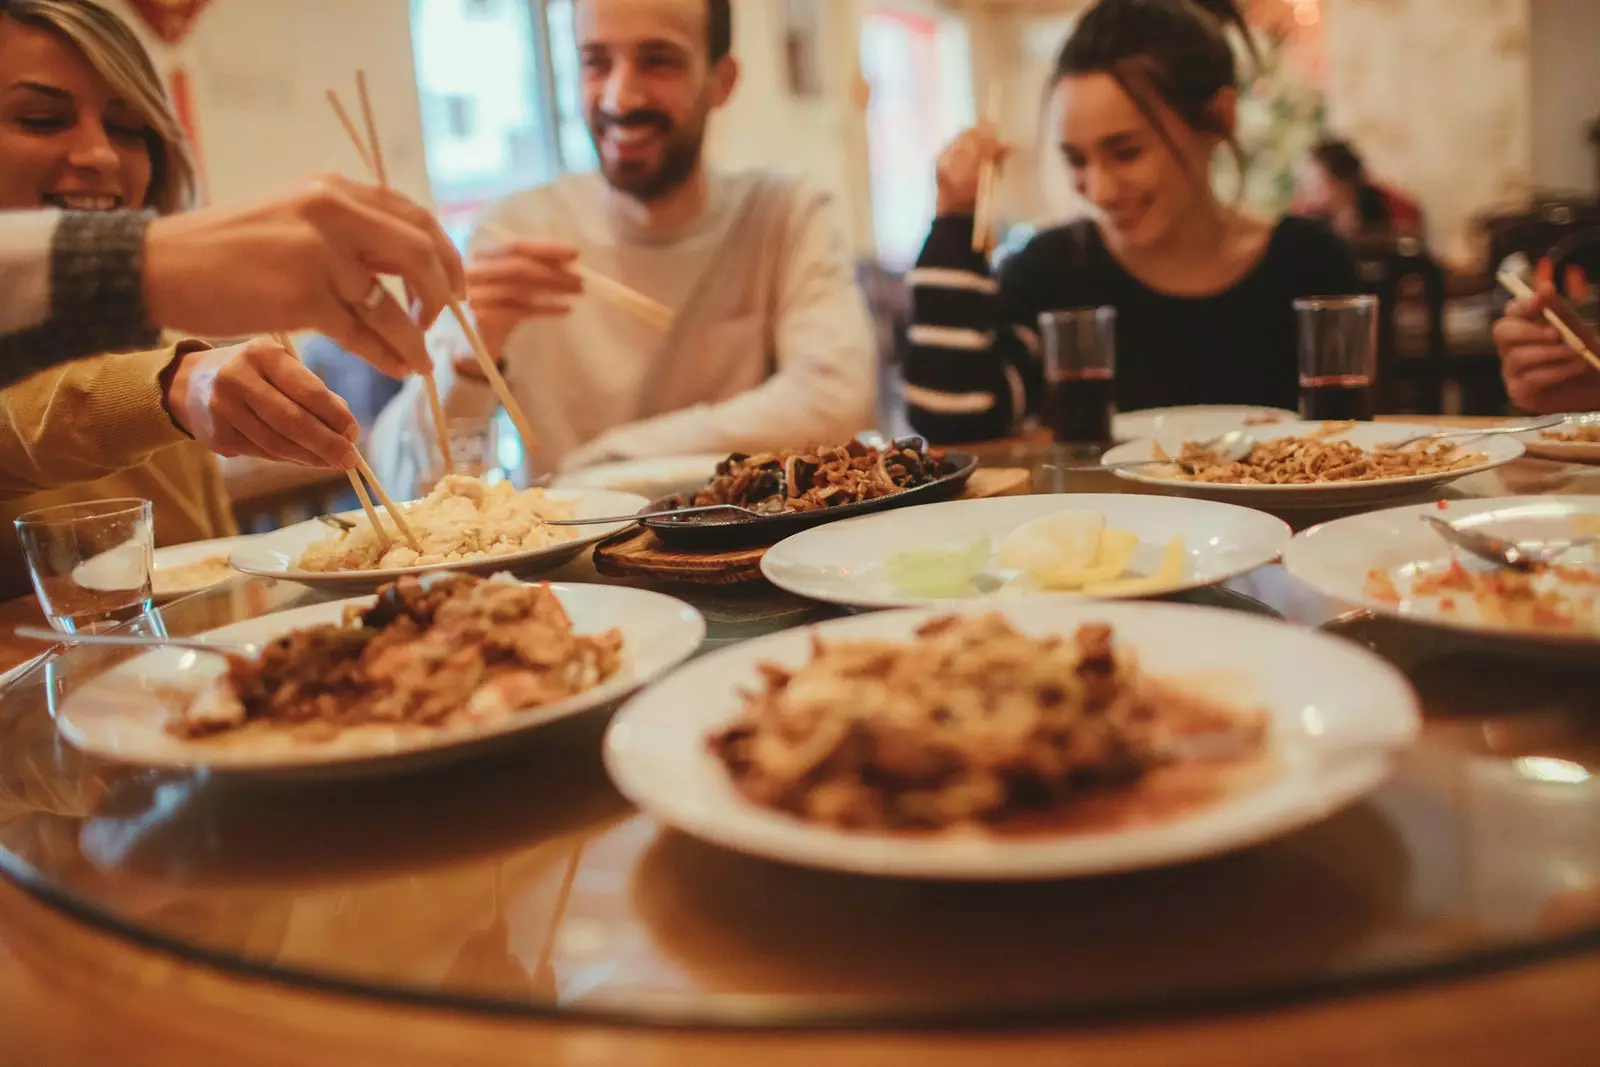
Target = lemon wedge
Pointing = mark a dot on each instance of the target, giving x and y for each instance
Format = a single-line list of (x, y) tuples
[(937, 572), (1111, 559), (1166, 576)]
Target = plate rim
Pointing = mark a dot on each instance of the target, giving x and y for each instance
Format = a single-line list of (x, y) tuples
[(309, 762), (1374, 759), (1186, 586), (1297, 550)]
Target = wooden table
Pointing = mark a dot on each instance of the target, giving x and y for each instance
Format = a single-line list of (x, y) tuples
[(71, 995)]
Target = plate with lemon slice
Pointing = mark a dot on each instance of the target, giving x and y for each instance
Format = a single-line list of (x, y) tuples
[(1108, 545)]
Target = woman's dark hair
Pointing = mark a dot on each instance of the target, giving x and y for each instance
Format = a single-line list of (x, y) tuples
[(1344, 164), (1341, 161), (1173, 51)]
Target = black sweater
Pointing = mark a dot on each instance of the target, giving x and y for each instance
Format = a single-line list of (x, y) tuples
[(973, 369)]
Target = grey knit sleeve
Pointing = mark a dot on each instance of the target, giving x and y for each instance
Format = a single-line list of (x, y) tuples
[(96, 295)]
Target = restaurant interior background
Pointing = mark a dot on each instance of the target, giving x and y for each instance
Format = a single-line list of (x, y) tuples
[(1483, 111)]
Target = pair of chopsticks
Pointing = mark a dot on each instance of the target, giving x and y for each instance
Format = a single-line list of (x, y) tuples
[(365, 468), (646, 308), (983, 210), (1520, 289), (371, 154)]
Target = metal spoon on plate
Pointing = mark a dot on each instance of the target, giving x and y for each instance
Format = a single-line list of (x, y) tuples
[(1504, 552), (1227, 448), (37, 633)]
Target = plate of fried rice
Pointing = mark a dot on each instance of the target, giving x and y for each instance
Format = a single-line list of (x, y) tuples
[(464, 525)]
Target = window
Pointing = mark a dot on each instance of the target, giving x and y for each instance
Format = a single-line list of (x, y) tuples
[(498, 82), (918, 65)]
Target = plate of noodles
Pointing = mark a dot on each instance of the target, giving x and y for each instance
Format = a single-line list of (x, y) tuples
[(1394, 564), (464, 525), (1575, 441), (1316, 464), (1048, 738), (428, 668)]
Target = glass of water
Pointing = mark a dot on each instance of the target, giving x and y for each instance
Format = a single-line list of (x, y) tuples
[(90, 562)]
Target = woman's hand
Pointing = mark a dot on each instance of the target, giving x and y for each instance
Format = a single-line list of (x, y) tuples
[(1542, 373), (257, 399), (306, 261), (961, 166)]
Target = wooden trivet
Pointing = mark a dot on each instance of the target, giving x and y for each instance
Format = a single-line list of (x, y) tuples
[(637, 552)]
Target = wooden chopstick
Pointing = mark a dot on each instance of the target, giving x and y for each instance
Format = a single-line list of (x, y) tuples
[(485, 361), (983, 210), (287, 343), (389, 505), (372, 157), (647, 308), (350, 128), (1519, 288)]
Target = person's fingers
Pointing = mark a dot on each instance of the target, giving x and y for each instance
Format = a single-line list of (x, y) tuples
[(1510, 332), (1524, 358), (349, 328), (1526, 308), (522, 271), (510, 299), (468, 367), (296, 382), (363, 236), (1540, 383), (234, 404), (532, 248)]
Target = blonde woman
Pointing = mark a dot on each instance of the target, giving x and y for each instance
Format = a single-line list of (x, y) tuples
[(85, 126)]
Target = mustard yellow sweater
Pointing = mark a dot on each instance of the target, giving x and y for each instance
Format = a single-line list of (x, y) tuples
[(98, 429)]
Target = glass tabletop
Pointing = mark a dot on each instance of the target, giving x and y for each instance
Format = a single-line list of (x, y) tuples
[(517, 879)]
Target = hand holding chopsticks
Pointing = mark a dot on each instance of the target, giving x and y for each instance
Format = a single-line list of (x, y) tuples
[(287, 343), (1520, 289)]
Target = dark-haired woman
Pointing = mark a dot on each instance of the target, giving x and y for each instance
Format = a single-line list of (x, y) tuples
[(1334, 187), (1144, 96)]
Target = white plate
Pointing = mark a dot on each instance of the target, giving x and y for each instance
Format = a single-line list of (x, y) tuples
[(1193, 422), (122, 713), (1336, 558), (1338, 715), (194, 552), (650, 478), (1497, 450), (1564, 451), (274, 555), (843, 562)]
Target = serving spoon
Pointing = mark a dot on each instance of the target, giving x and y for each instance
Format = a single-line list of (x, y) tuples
[(1504, 552), (1227, 448), (1491, 431)]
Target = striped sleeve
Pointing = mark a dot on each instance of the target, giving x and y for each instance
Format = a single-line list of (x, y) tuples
[(966, 367)]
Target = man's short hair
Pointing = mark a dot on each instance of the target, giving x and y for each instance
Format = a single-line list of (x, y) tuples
[(719, 27)]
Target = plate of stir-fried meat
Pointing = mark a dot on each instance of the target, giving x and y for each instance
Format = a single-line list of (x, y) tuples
[(1012, 740), (797, 489), (427, 667)]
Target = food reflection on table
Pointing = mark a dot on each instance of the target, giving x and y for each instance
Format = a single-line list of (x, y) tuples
[(975, 723)]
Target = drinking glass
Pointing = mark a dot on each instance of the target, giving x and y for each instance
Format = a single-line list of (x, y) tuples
[(474, 450), (1080, 373), (90, 562), (1338, 357)]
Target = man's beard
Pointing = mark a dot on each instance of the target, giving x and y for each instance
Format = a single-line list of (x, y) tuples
[(680, 154)]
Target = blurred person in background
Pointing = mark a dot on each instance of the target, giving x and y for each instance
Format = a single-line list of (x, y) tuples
[(1334, 188), (770, 343)]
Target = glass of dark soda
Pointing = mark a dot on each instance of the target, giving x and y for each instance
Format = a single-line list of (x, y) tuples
[(1080, 373), (1338, 357)]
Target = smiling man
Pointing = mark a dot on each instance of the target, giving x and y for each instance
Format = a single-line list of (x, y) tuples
[(769, 343)]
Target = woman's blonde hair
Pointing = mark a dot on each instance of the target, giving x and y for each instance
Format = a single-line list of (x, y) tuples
[(115, 53)]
